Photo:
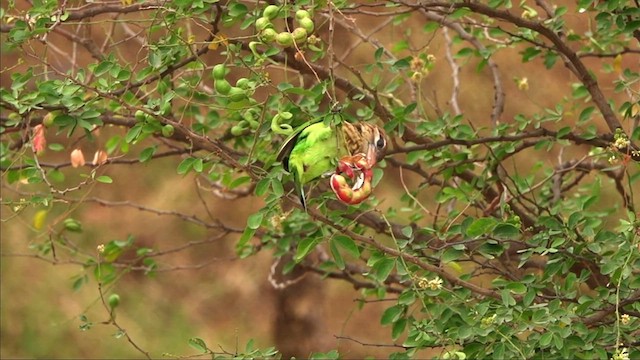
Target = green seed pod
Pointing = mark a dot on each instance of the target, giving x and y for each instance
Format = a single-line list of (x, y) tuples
[(268, 35), (301, 14), (263, 23), (237, 94), (271, 12), (243, 83), (284, 39), (140, 115), (299, 35), (307, 24), (222, 87), (113, 301), (237, 130), (48, 119), (168, 130), (219, 71)]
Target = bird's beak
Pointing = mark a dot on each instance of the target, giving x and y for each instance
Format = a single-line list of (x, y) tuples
[(372, 154)]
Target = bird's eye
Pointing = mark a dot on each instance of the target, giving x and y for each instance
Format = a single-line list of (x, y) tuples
[(381, 143)]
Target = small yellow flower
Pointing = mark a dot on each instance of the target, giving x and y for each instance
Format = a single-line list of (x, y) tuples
[(523, 84), (100, 248), (423, 283), (435, 284), (416, 76), (625, 319), (417, 64), (621, 354), (621, 142)]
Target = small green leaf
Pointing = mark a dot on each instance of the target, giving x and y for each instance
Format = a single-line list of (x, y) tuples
[(506, 231), (392, 314), (262, 186), (104, 179), (517, 288), (481, 226), (545, 339), (276, 186), (56, 147), (198, 344), (347, 244), (337, 257), (304, 248), (382, 268), (450, 254), (147, 153), (254, 220), (185, 166)]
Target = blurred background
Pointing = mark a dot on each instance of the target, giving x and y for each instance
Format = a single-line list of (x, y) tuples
[(203, 289)]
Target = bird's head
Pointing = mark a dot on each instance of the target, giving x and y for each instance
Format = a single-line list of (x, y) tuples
[(366, 138)]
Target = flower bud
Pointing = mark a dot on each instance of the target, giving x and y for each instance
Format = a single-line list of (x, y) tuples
[(39, 141), (77, 158), (100, 157)]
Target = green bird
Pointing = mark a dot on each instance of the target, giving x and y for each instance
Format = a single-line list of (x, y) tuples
[(313, 150)]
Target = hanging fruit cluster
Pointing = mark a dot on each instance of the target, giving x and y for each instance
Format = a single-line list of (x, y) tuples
[(298, 35)]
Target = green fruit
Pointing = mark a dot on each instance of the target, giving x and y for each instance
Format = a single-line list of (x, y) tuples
[(307, 24), (48, 119), (237, 94), (168, 130), (271, 12), (263, 23), (299, 35), (113, 301), (237, 130), (284, 39), (268, 35), (243, 83), (15, 117), (219, 71), (140, 115), (302, 14), (222, 86)]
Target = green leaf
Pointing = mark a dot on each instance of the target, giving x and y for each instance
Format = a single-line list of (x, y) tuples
[(262, 186), (104, 179), (398, 328), (517, 288), (392, 314), (506, 231), (198, 344), (147, 154), (481, 226), (276, 186), (337, 257), (254, 220), (347, 244), (56, 147), (304, 248), (450, 254), (185, 166), (382, 268), (545, 339)]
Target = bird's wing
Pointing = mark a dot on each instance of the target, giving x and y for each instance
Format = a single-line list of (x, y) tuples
[(290, 142)]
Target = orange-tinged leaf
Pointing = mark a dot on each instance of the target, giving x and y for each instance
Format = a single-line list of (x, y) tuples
[(617, 64), (39, 218)]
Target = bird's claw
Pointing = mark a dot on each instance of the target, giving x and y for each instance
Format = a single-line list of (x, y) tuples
[(358, 170)]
